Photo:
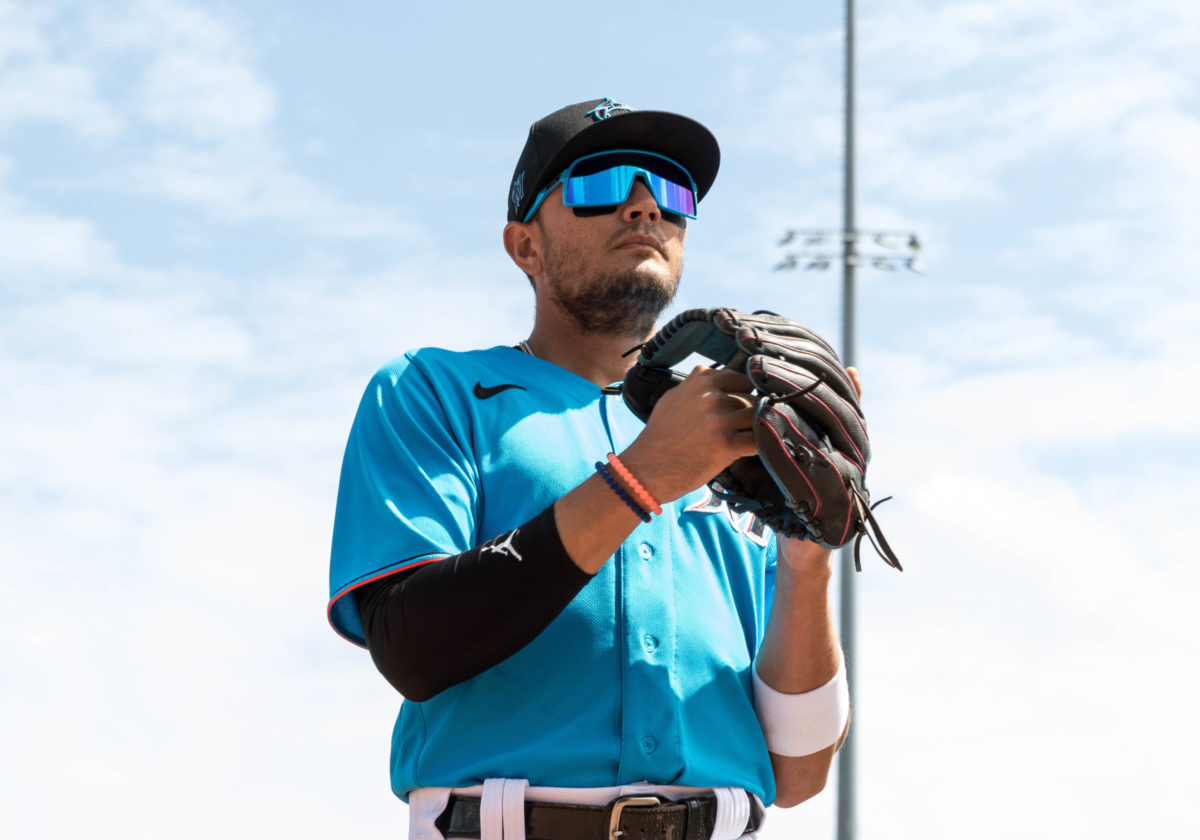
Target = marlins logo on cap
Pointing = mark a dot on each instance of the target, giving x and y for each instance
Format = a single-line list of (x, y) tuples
[(609, 107)]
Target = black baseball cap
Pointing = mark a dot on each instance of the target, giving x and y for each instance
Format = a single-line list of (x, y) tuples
[(586, 127)]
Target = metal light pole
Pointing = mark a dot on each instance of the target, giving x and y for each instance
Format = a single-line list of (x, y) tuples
[(889, 256), (847, 798)]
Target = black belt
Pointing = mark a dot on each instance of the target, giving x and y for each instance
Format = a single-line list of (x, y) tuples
[(628, 818)]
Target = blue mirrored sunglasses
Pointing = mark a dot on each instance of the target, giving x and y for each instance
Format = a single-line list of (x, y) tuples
[(606, 179)]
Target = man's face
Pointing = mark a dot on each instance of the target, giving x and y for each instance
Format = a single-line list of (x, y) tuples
[(612, 272)]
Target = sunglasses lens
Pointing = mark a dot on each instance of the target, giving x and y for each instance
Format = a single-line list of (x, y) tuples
[(674, 197), (609, 186), (607, 180)]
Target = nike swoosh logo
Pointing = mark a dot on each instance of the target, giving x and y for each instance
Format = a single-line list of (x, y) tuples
[(488, 393)]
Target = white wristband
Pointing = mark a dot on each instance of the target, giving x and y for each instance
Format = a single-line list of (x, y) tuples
[(802, 724)]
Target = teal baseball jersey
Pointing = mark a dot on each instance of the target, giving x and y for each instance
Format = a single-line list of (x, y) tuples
[(646, 673)]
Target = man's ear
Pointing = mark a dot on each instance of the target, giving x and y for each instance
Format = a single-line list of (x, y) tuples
[(523, 242)]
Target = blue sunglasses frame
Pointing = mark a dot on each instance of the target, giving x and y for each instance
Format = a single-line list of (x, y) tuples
[(655, 182)]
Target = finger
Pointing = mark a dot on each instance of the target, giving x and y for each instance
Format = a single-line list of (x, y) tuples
[(711, 380), (853, 371), (743, 443), (732, 381), (740, 419)]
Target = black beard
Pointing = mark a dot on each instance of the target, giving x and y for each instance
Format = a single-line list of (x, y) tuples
[(624, 304)]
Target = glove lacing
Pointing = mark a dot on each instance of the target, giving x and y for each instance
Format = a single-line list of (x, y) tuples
[(868, 524)]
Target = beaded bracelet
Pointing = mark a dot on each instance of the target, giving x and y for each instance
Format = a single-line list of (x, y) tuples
[(616, 488), (642, 494)]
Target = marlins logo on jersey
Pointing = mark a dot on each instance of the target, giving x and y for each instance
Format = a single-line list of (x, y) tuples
[(753, 528)]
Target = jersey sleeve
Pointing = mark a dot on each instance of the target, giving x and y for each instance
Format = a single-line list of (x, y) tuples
[(408, 490)]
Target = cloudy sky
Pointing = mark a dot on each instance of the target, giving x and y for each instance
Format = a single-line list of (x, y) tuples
[(218, 218)]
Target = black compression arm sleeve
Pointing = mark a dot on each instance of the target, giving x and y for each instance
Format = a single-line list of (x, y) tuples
[(447, 621)]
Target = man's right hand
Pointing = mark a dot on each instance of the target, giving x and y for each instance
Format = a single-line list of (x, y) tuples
[(696, 430)]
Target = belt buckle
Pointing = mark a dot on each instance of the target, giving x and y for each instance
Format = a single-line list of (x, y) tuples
[(623, 802)]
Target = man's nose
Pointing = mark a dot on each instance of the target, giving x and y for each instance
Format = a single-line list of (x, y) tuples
[(640, 204)]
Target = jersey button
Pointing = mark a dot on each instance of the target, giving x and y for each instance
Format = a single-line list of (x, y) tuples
[(649, 745), (650, 643), (645, 551)]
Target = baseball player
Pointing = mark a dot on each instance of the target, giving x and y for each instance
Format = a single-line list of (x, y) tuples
[(587, 640)]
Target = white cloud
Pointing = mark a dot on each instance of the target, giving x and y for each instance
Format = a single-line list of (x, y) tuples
[(1029, 640), (137, 690), (206, 96), (1041, 409), (248, 182), (169, 24), (747, 43), (56, 92), (39, 87), (956, 97), (35, 245), (172, 481), (192, 79), (20, 33), (199, 76), (200, 83)]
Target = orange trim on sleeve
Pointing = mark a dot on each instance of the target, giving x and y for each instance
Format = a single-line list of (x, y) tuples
[(343, 592)]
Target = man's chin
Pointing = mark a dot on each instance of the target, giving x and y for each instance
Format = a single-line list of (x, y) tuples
[(631, 311), (626, 302), (653, 272)]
